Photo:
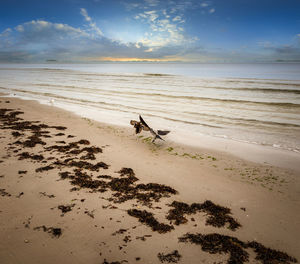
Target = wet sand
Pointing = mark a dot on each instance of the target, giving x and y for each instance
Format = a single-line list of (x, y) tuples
[(77, 191)]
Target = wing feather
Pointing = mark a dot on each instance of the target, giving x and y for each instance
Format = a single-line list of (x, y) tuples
[(163, 132), (143, 122)]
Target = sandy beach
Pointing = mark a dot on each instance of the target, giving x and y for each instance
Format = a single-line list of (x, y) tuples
[(73, 190)]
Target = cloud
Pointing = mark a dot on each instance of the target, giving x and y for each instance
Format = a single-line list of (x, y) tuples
[(212, 10), (178, 19), (40, 40), (5, 32), (164, 29), (285, 52), (288, 50), (84, 13), (92, 25)]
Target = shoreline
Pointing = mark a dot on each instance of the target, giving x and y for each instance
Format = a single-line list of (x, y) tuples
[(256, 194), (248, 151)]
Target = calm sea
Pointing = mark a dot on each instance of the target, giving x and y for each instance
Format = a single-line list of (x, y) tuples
[(254, 103)]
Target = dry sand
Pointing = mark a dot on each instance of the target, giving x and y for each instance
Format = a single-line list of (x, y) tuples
[(263, 199)]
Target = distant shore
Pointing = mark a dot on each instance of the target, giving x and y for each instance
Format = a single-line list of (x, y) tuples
[(74, 190)]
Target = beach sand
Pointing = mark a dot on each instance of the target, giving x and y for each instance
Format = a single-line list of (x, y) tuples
[(73, 190)]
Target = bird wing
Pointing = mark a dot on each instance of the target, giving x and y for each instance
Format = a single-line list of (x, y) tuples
[(143, 122), (146, 127), (153, 132), (163, 132)]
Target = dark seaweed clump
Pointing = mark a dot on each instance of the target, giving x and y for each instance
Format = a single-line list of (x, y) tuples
[(74, 148), (16, 134), (268, 256), (114, 262), (65, 208), (217, 243), (120, 231), (45, 168), (126, 189), (26, 155), (54, 231), (123, 187), (81, 164), (172, 257), (10, 120), (149, 220), (4, 193), (218, 215)]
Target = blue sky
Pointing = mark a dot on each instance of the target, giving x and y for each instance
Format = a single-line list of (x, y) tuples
[(149, 30)]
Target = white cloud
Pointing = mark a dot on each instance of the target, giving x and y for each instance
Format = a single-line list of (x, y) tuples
[(84, 13), (20, 28), (212, 10), (163, 31), (152, 16), (177, 18), (93, 26), (149, 50)]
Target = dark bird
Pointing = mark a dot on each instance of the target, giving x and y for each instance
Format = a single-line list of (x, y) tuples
[(142, 125)]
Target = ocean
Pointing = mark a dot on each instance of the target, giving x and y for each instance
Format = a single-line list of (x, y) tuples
[(253, 103)]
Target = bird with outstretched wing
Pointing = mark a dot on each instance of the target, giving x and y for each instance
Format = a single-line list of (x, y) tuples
[(142, 125)]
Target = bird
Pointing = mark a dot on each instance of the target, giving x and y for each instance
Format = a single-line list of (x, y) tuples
[(142, 125)]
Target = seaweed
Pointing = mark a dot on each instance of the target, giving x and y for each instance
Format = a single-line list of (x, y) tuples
[(218, 216), (120, 231), (4, 193), (88, 156), (26, 155), (47, 195), (217, 243), (173, 257), (65, 208), (270, 256), (45, 168), (114, 262), (54, 231), (16, 134), (149, 220)]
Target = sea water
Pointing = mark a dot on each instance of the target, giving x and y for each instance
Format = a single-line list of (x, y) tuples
[(254, 103)]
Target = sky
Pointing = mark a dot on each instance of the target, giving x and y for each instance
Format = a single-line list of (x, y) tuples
[(206, 31)]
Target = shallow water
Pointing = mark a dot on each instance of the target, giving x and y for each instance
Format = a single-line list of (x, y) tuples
[(255, 103)]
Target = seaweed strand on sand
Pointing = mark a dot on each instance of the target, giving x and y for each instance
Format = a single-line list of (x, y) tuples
[(148, 219), (219, 216), (222, 244)]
